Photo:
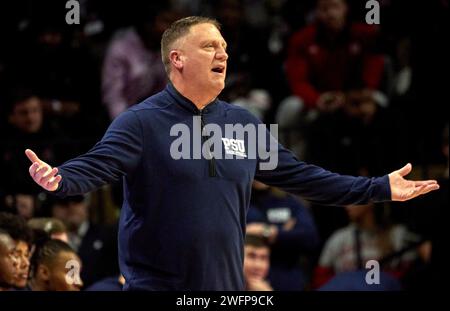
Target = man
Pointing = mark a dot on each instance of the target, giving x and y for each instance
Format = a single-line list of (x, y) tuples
[(290, 231), (8, 262), (26, 127), (182, 223), (256, 264), (95, 244), (366, 237), (132, 69), (332, 56), (55, 267), (53, 227)]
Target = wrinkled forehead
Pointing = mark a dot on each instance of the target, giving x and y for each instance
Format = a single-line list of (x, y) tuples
[(202, 32)]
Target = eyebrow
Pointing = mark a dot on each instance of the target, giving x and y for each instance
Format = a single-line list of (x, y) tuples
[(223, 43)]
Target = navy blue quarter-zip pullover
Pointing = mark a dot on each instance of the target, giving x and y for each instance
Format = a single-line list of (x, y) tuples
[(182, 223)]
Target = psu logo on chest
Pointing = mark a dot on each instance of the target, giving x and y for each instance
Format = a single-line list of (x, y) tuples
[(234, 147)]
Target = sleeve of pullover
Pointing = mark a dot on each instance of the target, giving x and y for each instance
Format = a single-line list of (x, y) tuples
[(117, 154)]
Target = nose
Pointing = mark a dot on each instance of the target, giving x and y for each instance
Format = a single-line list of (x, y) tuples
[(79, 285), (25, 263), (221, 54)]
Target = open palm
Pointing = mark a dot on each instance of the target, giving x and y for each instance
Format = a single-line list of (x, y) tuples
[(403, 189)]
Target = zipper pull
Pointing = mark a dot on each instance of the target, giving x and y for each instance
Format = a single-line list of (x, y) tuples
[(212, 161)]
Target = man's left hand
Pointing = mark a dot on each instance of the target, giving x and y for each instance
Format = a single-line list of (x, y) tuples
[(403, 190)]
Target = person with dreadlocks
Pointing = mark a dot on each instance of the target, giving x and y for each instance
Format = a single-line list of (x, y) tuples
[(55, 266)]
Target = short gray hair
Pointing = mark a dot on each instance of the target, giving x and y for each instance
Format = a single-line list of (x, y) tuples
[(179, 29)]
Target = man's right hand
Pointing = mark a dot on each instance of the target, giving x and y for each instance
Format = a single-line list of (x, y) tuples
[(42, 173)]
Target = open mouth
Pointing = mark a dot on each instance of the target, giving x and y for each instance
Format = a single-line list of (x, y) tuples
[(218, 69)]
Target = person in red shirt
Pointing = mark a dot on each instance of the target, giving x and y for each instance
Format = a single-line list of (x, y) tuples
[(331, 57)]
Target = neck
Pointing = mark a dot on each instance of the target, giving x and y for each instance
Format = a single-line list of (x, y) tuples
[(199, 98), (36, 285)]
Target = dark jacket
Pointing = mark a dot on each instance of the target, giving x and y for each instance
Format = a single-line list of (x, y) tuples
[(182, 222)]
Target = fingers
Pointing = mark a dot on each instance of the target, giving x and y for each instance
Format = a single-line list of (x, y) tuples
[(32, 156), (53, 183), (40, 172), (421, 190), (46, 177), (425, 182), (33, 168), (426, 188), (405, 170)]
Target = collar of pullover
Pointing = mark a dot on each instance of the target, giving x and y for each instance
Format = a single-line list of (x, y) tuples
[(186, 104)]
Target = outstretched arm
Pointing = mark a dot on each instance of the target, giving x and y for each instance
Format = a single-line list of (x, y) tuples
[(116, 155), (324, 187)]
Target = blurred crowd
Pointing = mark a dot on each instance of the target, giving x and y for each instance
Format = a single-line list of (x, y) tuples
[(351, 97)]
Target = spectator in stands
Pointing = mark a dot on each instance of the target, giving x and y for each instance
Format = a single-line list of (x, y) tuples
[(22, 202), (247, 84), (332, 56), (55, 267), (132, 68), (8, 262), (291, 234), (26, 127), (95, 244), (352, 140), (256, 263), (59, 71), (18, 230), (364, 239), (51, 57), (53, 227)]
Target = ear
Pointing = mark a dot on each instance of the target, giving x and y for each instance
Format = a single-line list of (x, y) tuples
[(177, 59), (43, 272)]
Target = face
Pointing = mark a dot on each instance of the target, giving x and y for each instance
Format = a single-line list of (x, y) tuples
[(201, 58), (57, 273), (73, 214), (8, 261), (256, 262), (27, 115), (332, 14), (22, 252), (25, 205)]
